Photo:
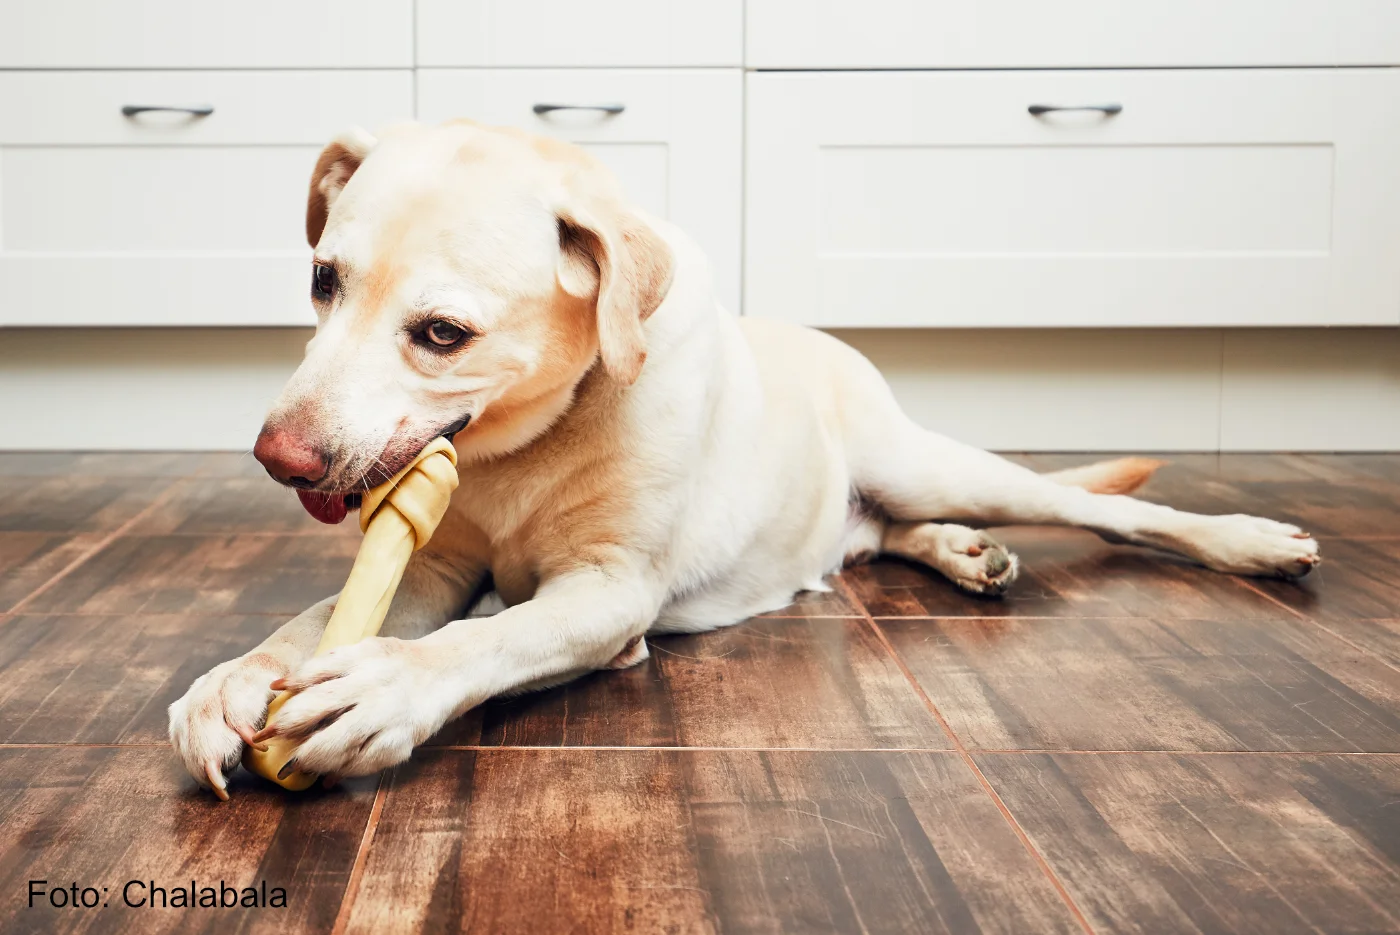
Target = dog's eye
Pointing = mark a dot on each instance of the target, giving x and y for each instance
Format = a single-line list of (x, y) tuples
[(444, 334), (323, 282)]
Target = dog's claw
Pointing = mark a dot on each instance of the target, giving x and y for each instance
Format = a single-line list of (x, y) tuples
[(216, 780), (250, 739)]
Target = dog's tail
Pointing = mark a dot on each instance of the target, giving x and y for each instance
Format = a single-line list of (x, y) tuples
[(1123, 475)]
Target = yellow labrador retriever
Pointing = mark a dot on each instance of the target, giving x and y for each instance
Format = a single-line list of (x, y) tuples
[(634, 458)]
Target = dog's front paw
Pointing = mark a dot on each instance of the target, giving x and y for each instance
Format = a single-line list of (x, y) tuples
[(220, 713), (1251, 545), (360, 708)]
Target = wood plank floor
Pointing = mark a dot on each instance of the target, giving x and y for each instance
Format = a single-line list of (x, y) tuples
[(1125, 743)]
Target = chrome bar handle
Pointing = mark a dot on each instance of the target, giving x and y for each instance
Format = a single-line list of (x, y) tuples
[(198, 110), (1108, 110), (543, 109)]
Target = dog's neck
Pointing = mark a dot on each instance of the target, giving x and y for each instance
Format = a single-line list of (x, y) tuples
[(501, 431)]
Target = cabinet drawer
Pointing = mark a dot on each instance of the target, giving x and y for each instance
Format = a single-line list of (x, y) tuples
[(677, 145), (1253, 197), (564, 33), (168, 219), (180, 34), (1070, 33), (66, 108)]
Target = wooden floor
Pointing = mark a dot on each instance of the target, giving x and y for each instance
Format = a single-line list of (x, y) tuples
[(1126, 743)]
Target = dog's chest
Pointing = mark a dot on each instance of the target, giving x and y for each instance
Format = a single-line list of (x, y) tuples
[(532, 517)]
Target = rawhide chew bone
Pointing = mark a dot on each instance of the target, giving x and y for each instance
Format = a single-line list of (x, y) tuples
[(397, 517)]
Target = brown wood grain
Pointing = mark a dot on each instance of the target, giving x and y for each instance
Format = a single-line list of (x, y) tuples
[(783, 775), (29, 559), (831, 603), (75, 503), (1385, 467), (210, 506), (109, 679), (103, 816), (1067, 573), (1379, 639), (1139, 684), (1260, 844), (771, 682), (110, 463), (1359, 578), (697, 841), (204, 574)]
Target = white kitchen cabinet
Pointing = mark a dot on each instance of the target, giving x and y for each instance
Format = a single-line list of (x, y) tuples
[(1070, 33), (1215, 197), (885, 173), (183, 34), (676, 145), (566, 33), (166, 218)]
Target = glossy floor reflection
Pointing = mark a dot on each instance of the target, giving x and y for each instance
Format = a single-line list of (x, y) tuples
[(1126, 743)]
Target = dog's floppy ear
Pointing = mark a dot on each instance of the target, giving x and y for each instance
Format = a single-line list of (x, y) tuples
[(608, 252), (339, 160)]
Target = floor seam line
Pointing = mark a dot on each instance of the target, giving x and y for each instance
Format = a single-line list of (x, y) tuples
[(596, 748), (64, 744), (604, 748), (357, 869), (1308, 618), (1011, 617), (971, 764), (1050, 751)]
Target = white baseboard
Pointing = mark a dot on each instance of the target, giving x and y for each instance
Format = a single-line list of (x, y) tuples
[(196, 389), (1295, 389), (1014, 390)]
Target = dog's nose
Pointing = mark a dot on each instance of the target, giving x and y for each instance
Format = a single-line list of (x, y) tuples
[(290, 458)]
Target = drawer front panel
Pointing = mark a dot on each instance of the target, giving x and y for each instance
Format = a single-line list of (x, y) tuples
[(1212, 198), (563, 33), (1070, 33), (179, 34), (676, 146), (138, 199), (108, 220), (249, 107), (1062, 199)]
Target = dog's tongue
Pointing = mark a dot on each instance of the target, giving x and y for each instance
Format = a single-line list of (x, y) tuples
[(328, 508)]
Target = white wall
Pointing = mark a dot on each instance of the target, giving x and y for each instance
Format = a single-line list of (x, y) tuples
[(1192, 390)]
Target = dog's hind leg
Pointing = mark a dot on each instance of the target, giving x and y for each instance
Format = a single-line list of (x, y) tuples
[(915, 476)]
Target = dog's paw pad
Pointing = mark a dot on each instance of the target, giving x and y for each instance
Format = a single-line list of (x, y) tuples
[(985, 566)]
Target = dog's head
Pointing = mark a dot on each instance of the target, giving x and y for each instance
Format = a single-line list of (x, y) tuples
[(465, 278)]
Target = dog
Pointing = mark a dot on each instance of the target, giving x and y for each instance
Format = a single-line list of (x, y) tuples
[(634, 459)]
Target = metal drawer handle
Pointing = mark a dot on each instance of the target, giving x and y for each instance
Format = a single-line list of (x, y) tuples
[(1108, 110), (199, 110), (543, 109)]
